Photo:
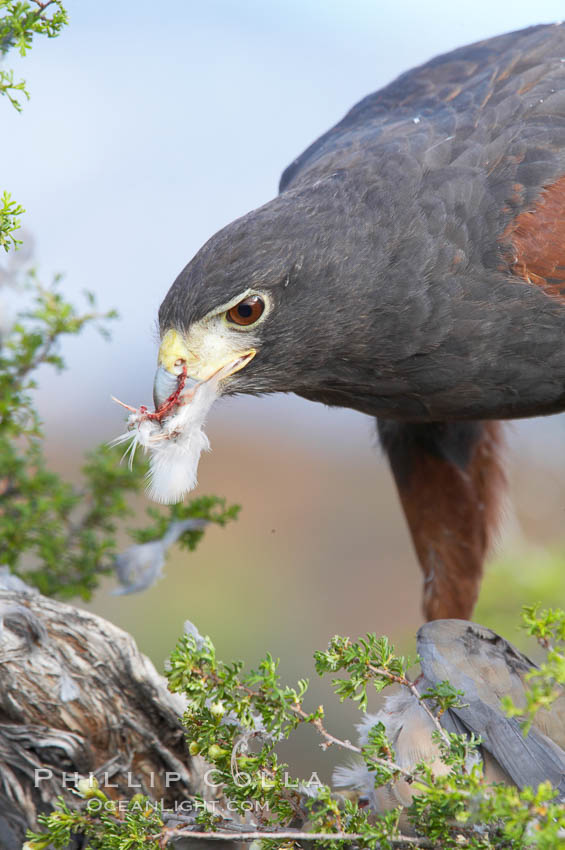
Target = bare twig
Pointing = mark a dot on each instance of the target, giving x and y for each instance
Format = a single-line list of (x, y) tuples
[(290, 834), (388, 764)]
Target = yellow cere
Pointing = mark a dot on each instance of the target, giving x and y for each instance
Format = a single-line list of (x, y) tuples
[(209, 347), (173, 348)]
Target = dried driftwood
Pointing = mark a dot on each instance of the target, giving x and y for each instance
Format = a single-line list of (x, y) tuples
[(77, 697)]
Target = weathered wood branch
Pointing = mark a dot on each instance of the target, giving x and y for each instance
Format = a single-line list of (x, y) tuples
[(77, 697)]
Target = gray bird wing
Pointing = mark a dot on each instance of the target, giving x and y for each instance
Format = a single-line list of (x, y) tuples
[(486, 667), (468, 95)]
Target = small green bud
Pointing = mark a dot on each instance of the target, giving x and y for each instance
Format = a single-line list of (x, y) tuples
[(138, 803), (193, 748), (37, 844), (217, 709), (88, 786), (216, 752)]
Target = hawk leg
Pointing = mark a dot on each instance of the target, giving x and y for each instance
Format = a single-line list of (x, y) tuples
[(450, 481)]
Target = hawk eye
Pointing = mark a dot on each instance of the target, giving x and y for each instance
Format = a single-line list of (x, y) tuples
[(247, 311)]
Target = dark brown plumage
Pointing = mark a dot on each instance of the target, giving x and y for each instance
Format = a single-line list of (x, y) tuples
[(413, 268)]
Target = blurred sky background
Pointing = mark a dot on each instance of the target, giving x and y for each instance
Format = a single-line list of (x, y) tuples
[(152, 125)]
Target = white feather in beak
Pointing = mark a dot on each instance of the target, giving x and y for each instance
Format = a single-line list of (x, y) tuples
[(174, 442), (177, 446)]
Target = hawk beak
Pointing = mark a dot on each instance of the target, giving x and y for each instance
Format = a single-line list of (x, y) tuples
[(166, 383), (175, 356)]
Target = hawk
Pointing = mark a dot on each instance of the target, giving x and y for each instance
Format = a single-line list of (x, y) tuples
[(412, 267)]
